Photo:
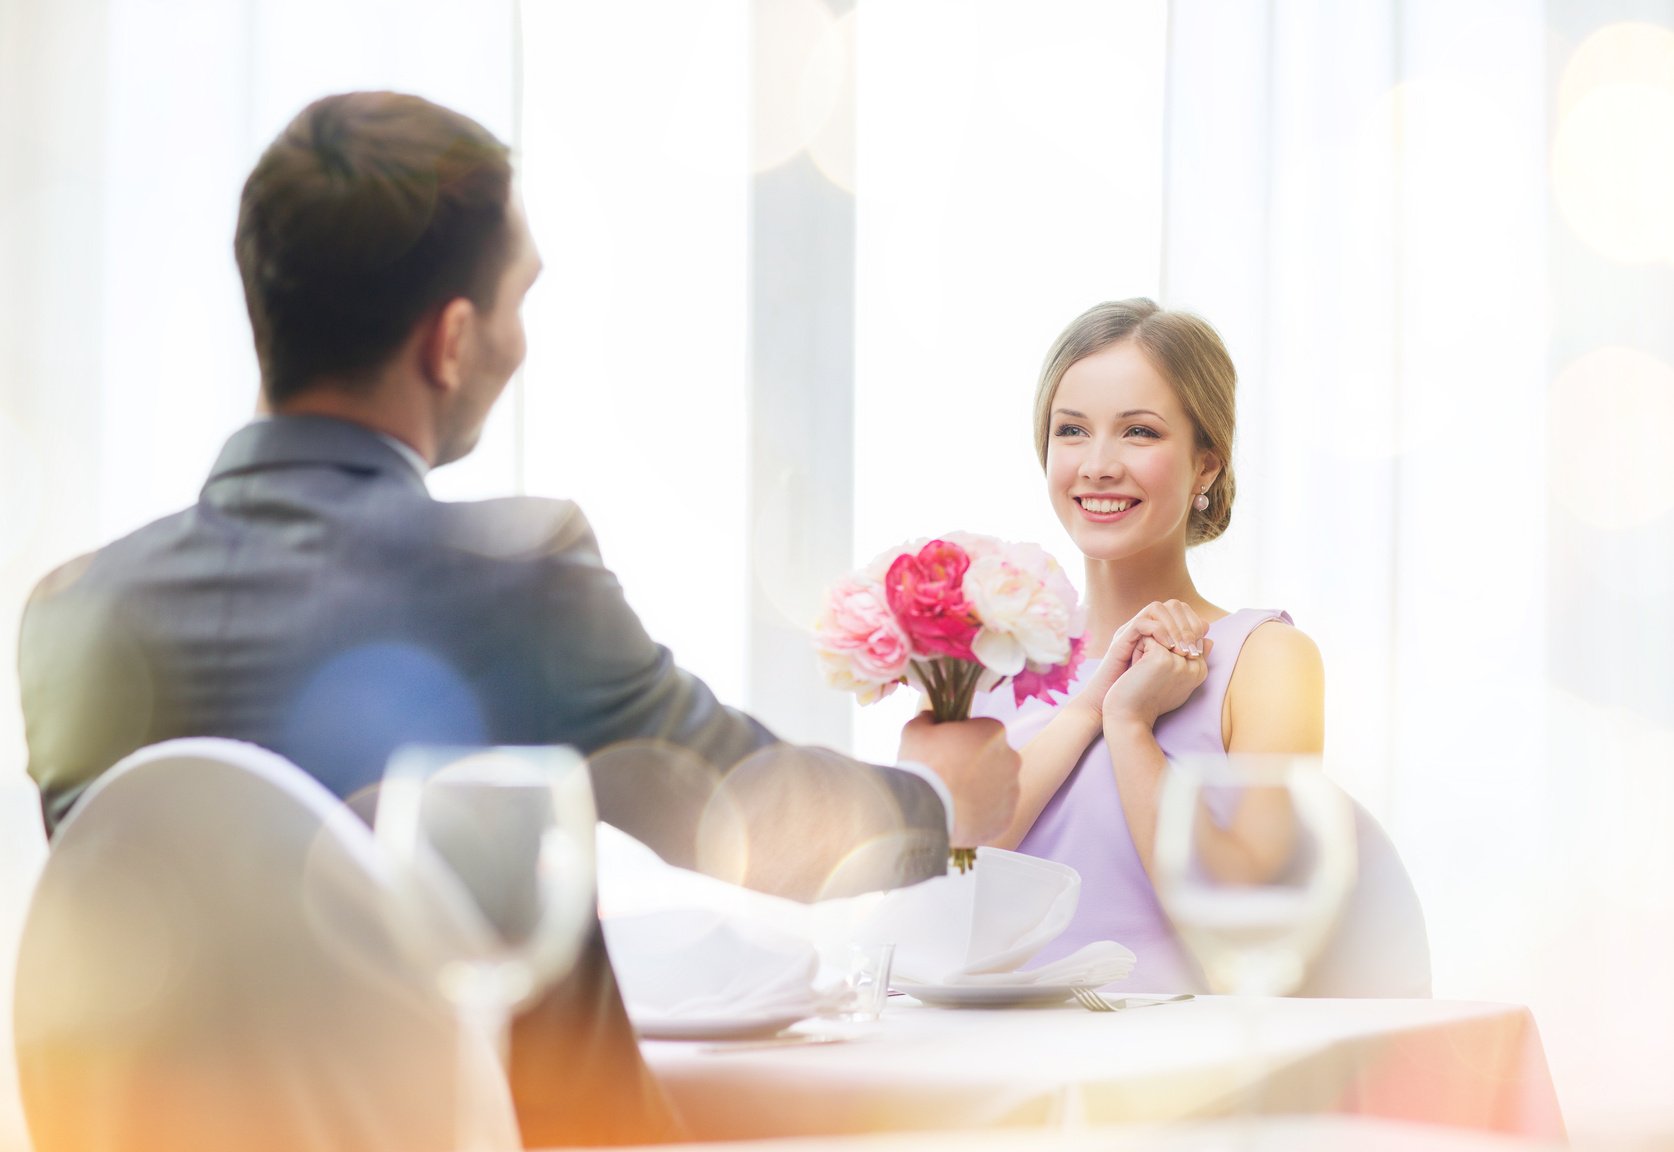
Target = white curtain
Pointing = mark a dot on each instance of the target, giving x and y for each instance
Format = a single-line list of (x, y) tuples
[(1446, 279)]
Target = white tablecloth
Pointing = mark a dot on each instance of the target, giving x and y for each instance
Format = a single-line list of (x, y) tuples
[(1466, 1065)]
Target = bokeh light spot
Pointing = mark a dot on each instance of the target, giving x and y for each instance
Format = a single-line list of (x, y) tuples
[(665, 796), (828, 106), (1613, 152), (802, 812), (1609, 419), (1613, 172), (798, 78), (366, 702), (1629, 52)]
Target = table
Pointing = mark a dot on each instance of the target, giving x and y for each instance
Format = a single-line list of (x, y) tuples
[(1263, 1134), (1464, 1065)]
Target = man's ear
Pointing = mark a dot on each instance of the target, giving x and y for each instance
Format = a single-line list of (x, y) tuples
[(445, 343)]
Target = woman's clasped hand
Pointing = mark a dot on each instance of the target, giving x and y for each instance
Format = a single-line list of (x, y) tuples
[(1154, 662)]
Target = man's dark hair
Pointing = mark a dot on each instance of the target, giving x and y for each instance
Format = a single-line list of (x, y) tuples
[(368, 211)]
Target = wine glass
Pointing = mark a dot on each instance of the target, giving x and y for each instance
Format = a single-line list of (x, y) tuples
[(1254, 857), (493, 863)]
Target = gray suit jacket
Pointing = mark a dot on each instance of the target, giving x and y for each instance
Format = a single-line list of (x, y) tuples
[(319, 602)]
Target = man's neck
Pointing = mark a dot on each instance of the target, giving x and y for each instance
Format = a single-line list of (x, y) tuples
[(369, 409)]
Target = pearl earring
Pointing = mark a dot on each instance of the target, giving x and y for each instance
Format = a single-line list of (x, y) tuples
[(1202, 501)]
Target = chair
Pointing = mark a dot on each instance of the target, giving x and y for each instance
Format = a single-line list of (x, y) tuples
[(1379, 946), (208, 962)]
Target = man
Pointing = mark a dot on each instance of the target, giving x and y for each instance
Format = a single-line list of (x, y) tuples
[(318, 602)]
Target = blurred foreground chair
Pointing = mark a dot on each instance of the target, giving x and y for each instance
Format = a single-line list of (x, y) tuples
[(208, 963)]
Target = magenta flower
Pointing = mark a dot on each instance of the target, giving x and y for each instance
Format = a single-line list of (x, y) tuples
[(926, 593), (1030, 684)]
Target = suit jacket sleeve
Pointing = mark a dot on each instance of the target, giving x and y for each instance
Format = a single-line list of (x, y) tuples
[(84, 688), (704, 784)]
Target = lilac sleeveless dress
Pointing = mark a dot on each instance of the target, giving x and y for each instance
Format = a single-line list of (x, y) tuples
[(1083, 824)]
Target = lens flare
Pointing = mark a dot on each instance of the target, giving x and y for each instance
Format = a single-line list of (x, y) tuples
[(798, 82), (1613, 151), (1617, 473), (1630, 52), (828, 110)]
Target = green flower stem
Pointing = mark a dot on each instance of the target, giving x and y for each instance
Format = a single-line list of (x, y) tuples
[(970, 674), (930, 675), (942, 683), (951, 685)]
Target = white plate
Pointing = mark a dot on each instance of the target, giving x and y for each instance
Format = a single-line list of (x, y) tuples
[(714, 1027), (988, 995)]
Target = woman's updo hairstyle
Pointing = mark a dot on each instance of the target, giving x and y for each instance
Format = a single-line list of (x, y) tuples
[(1188, 353)]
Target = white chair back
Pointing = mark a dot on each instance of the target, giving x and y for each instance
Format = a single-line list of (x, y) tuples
[(1379, 947), (208, 962)]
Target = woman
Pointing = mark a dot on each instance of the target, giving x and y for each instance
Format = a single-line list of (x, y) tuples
[(1134, 422)]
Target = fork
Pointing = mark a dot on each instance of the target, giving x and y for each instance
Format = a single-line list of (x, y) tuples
[(1093, 1002)]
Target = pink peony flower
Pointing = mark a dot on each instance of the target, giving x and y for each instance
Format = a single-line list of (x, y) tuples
[(1029, 684), (861, 647), (926, 593)]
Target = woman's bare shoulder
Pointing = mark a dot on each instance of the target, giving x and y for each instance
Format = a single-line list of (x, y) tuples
[(1276, 645), (1275, 701)]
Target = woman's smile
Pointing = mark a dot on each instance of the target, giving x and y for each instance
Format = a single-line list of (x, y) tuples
[(1106, 509)]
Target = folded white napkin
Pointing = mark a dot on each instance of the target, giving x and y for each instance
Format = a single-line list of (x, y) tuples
[(978, 928), (633, 880), (692, 964), (1094, 965)]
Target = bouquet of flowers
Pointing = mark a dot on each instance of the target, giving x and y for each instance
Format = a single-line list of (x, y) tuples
[(950, 617)]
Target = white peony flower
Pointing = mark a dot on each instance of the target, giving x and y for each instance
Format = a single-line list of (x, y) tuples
[(1017, 592)]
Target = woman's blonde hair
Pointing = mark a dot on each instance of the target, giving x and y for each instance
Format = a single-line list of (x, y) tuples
[(1189, 355)]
